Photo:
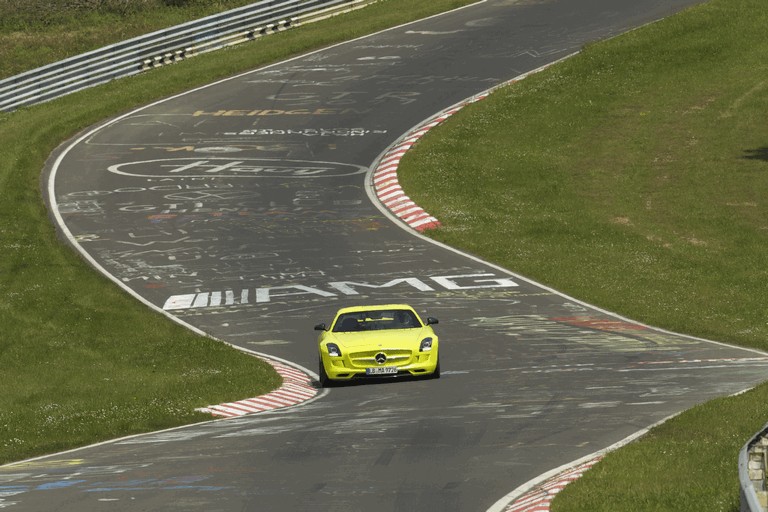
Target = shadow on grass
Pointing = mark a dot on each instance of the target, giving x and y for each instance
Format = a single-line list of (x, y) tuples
[(757, 154)]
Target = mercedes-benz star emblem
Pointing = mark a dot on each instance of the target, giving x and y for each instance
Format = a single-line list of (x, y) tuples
[(381, 358)]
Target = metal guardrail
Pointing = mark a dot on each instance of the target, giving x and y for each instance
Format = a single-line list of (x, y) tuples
[(164, 47), (753, 473)]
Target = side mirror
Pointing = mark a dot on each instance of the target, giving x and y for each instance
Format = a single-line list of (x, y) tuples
[(432, 321), (320, 327)]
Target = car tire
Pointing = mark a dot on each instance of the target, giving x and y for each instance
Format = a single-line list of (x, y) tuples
[(325, 382), (436, 373)]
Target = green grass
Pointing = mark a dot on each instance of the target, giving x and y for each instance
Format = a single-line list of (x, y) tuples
[(687, 463), (37, 32), (82, 361), (633, 176)]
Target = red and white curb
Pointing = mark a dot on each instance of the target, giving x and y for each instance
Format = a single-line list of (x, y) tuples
[(385, 183), (540, 497), (387, 186), (297, 388)]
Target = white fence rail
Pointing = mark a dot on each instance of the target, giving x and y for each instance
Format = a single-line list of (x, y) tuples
[(163, 47)]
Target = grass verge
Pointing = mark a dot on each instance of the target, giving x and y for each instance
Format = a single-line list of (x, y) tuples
[(633, 176), (38, 32), (82, 361)]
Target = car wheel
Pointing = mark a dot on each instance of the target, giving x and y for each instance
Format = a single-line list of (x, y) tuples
[(325, 382), (436, 373)]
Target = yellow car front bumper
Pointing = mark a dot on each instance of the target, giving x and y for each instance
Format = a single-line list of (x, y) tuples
[(345, 367)]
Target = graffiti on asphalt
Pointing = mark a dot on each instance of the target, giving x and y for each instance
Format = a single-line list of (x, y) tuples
[(331, 289)]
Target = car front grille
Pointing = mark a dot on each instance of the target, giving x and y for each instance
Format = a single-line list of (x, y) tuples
[(367, 359)]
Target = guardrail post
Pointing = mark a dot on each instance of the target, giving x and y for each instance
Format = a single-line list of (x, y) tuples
[(760, 456), (753, 466)]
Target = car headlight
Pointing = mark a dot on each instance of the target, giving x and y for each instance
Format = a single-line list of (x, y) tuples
[(333, 350), (426, 345)]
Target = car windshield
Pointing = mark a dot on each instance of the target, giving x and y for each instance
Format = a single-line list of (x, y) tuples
[(376, 320)]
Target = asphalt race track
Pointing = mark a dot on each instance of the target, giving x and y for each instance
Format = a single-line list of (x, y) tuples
[(244, 209)]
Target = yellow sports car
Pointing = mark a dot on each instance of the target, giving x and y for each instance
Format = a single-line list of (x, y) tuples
[(377, 341)]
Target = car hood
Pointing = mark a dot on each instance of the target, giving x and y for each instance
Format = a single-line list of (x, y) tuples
[(386, 338)]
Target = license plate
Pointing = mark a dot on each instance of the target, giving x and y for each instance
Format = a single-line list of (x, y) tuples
[(384, 370)]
